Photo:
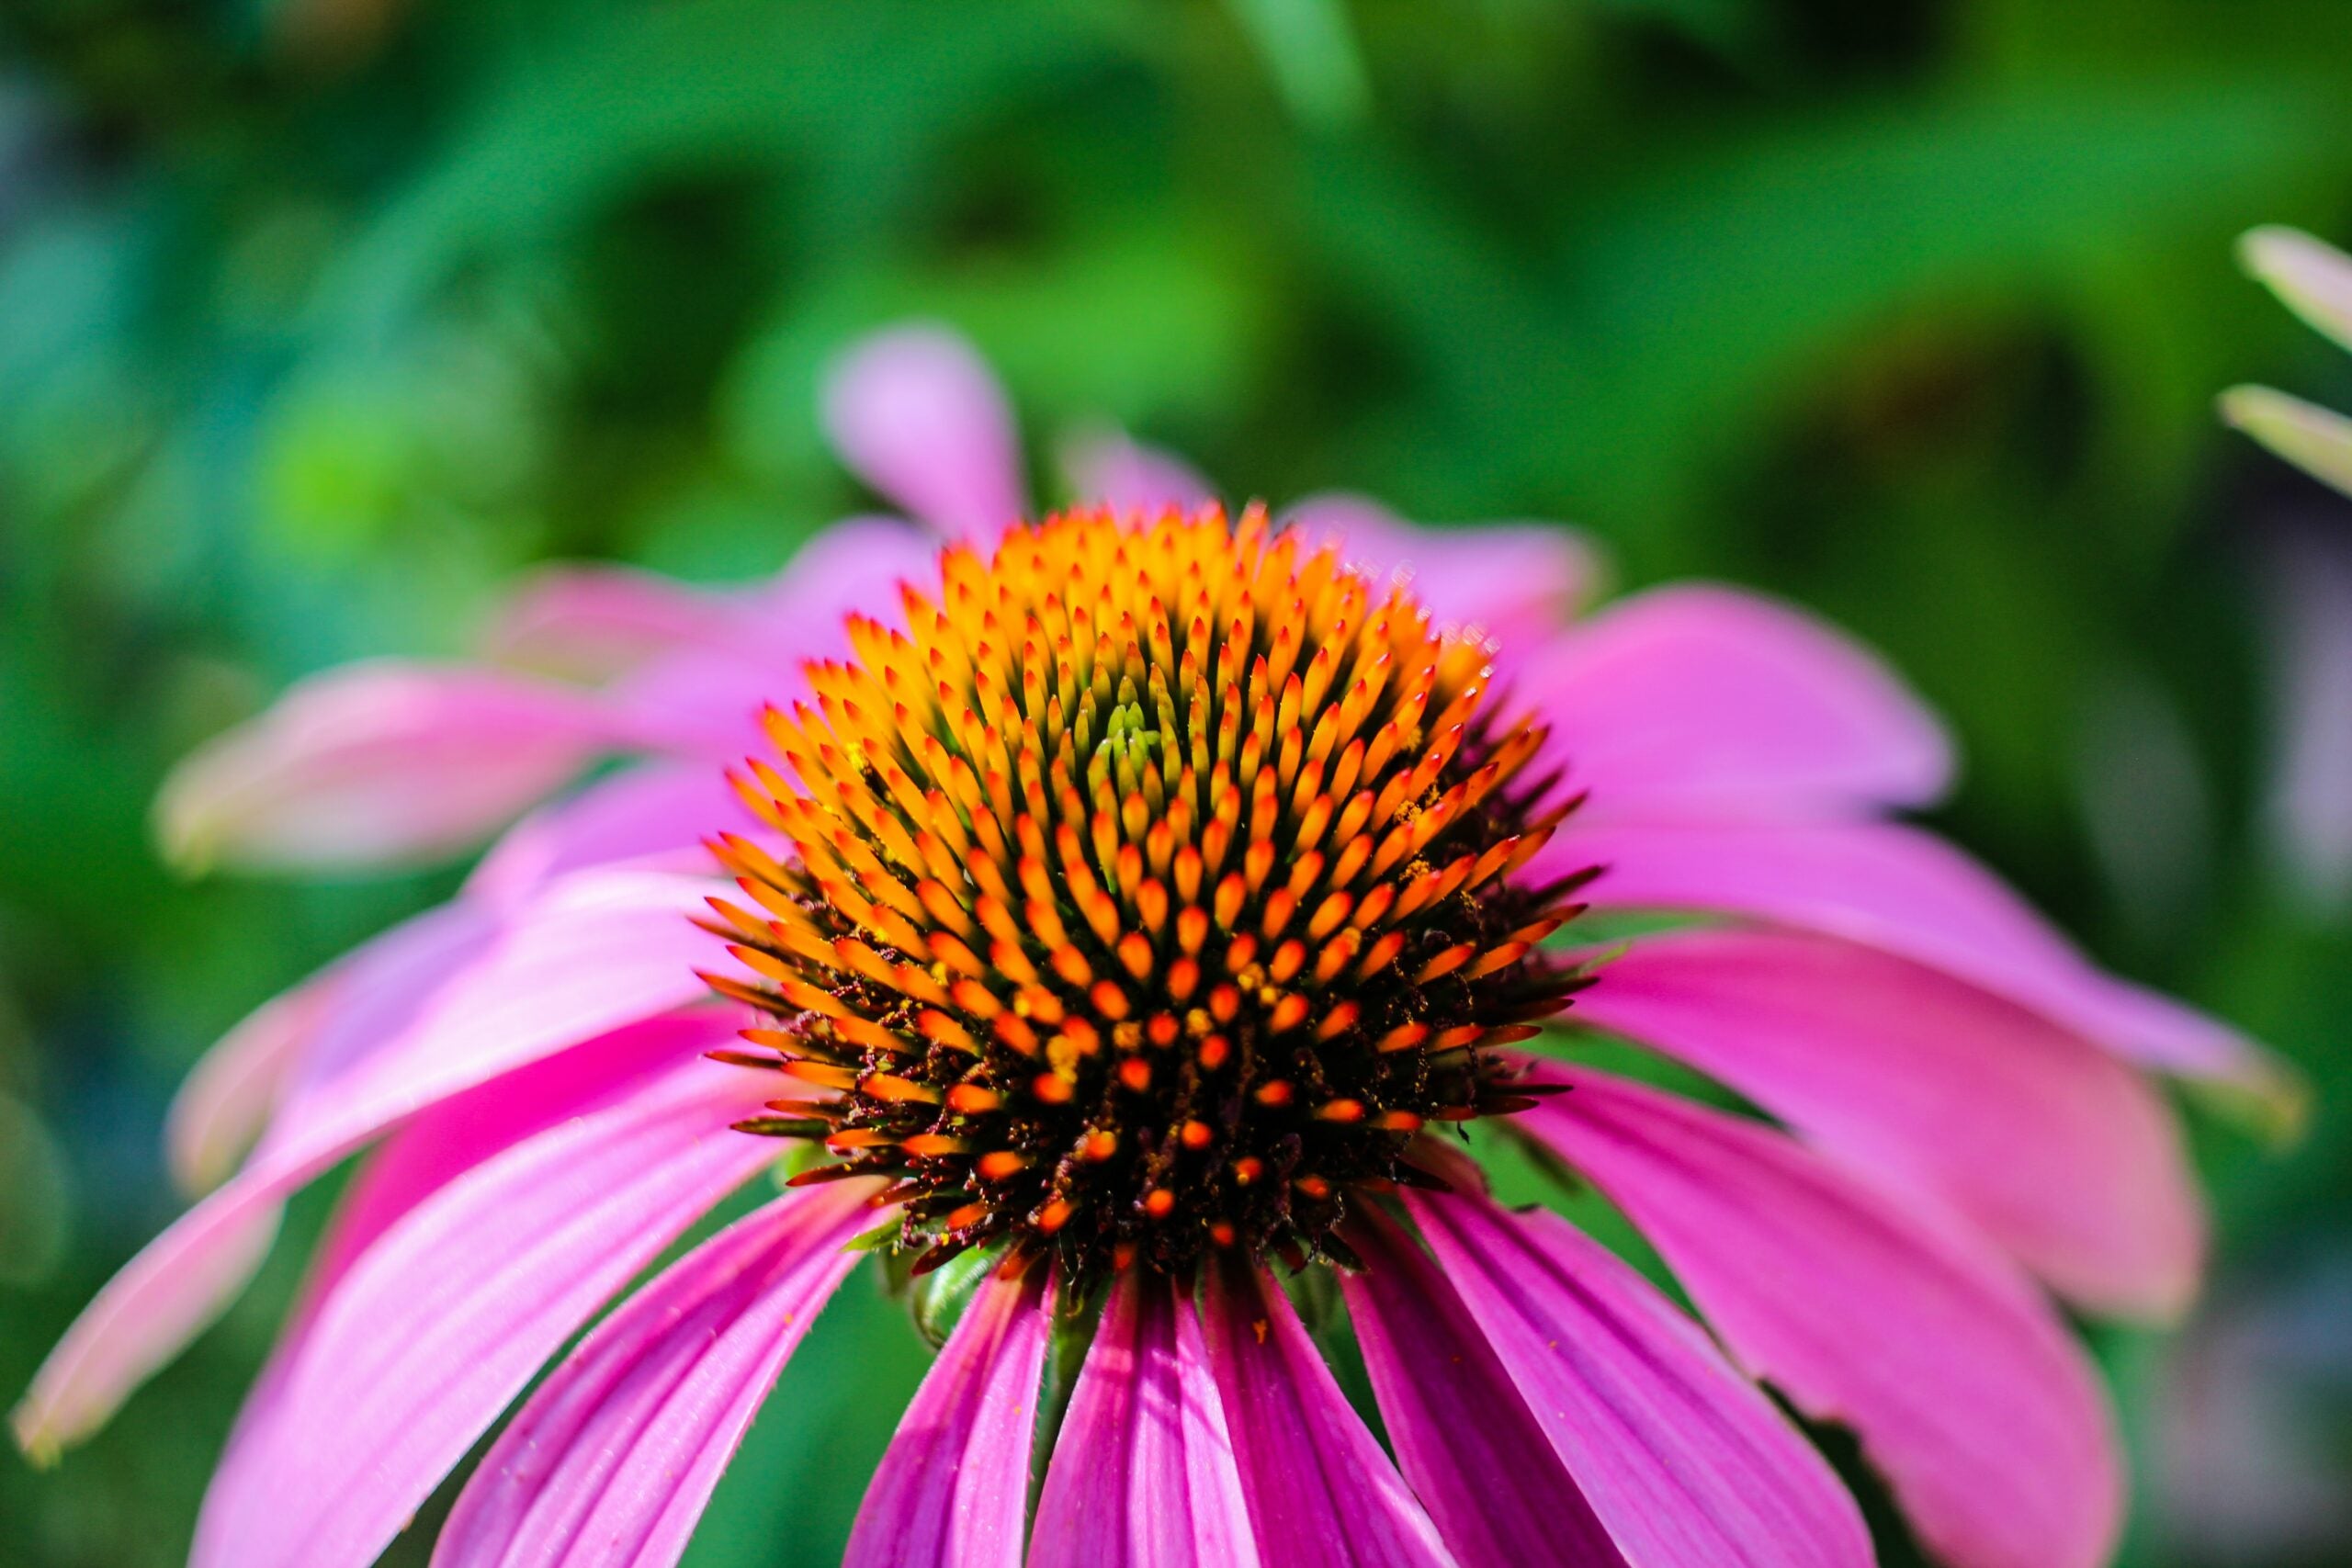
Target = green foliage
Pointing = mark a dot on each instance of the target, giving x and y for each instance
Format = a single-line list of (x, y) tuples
[(321, 318)]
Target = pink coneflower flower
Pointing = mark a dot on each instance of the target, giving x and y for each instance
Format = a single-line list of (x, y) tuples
[(1124, 915)]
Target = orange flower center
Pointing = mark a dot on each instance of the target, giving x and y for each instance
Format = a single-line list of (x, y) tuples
[(1149, 893)]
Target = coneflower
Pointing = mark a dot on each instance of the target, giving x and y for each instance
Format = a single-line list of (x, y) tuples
[(1130, 914)]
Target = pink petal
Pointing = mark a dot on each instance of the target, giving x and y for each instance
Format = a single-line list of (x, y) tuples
[(1909, 893), (447, 1315), (447, 1139), (1684, 1461), (1111, 468), (615, 1456), (433, 1012), (375, 764), (1143, 1472), (859, 565), (588, 623), (1320, 1490), (2055, 1150), (226, 1099), (182, 1280), (917, 414), (1698, 700), (953, 1492), (439, 1144), (1514, 582), (1465, 1440), (1963, 1387), (654, 817), (161, 1300), (591, 953)]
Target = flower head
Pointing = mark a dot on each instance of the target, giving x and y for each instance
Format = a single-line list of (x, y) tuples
[(1128, 910), (1148, 893)]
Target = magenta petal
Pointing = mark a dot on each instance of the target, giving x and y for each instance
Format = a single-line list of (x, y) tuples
[(1513, 582), (1902, 891), (1475, 1455), (1143, 1472), (859, 566), (591, 954), (2061, 1154), (226, 1099), (444, 1003), (1320, 1490), (1111, 468), (160, 1301), (592, 622), (378, 763), (953, 1491), (453, 1136), (1700, 700), (1684, 1460), (917, 414), (1962, 1385), (446, 1317), (652, 816), (444, 1142), (615, 1456)]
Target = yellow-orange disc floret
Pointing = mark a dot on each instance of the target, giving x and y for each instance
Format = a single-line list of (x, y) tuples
[(1148, 893)]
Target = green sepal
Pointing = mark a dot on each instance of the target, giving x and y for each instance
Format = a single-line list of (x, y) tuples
[(937, 1299)]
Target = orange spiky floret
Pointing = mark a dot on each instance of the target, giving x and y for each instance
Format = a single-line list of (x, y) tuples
[(1148, 892)]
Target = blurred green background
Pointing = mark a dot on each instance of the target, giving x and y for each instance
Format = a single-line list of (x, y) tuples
[(321, 318)]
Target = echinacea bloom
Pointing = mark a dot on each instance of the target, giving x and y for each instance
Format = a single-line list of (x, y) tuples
[(1125, 913)]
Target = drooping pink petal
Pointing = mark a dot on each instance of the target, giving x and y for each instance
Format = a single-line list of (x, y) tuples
[(1143, 1472), (446, 1317), (161, 1300), (434, 1017), (1475, 1455), (1683, 1460), (1111, 468), (953, 1491), (615, 1456), (2061, 1154), (1513, 582), (375, 764), (590, 953), (180, 1281), (225, 1101), (1320, 1491), (2310, 275), (1962, 1385), (451, 1136), (699, 697), (654, 817), (1898, 888), (917, 414), (440, 1144), (384, 986), (855, 566), (589, 623), (1696, 700)]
